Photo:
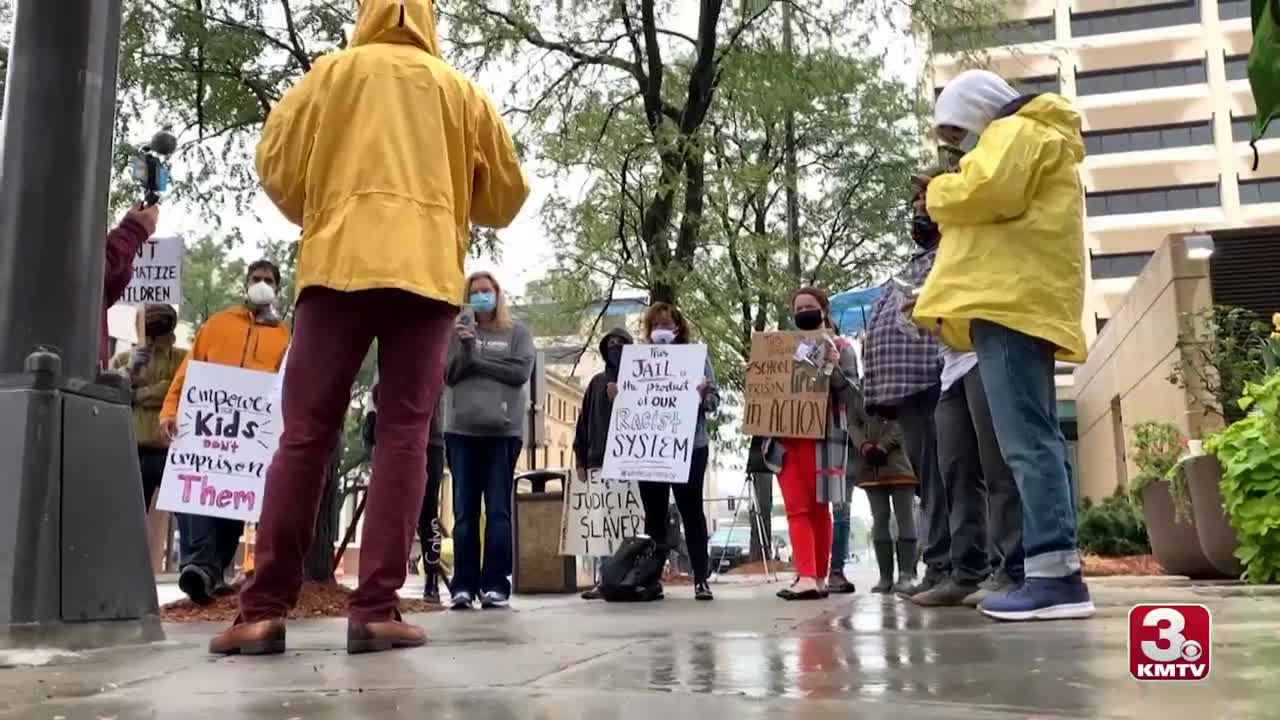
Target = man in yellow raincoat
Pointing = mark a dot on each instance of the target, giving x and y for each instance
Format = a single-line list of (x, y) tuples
[(385, 155), (1008, 283)]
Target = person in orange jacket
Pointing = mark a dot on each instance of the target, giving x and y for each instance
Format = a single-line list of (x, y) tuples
[(386, 157), (251, 336)]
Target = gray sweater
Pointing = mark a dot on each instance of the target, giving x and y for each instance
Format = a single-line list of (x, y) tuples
[(488, 379)]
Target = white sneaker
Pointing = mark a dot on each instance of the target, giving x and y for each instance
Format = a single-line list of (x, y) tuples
[(461, 601)]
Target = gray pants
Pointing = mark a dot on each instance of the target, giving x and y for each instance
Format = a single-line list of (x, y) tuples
[(920, 437), (984, 513), (901, 496)]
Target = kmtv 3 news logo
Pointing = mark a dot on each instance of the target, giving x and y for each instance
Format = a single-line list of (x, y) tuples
[(1170, 642)]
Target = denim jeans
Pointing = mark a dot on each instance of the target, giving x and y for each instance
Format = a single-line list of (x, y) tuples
[(920, 438), (841, 528), (1017, 374), (483, 468), (210, 543)]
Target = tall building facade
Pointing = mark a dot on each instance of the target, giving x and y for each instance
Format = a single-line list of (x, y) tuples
[(1167, 112)]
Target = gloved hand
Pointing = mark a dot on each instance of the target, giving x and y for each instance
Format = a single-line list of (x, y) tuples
[(139, 359), (875, 455), (367, 429)]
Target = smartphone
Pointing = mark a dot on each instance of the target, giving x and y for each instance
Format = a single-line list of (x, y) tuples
[(468, 316)]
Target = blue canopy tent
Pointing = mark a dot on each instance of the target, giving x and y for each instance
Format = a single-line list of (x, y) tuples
[(851, 309)]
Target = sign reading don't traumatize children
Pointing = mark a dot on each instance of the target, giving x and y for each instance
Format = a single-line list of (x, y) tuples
[(228, 427), (157, 273), (655, 414)]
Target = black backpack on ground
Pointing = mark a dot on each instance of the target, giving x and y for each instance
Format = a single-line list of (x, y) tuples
[(634, 572)]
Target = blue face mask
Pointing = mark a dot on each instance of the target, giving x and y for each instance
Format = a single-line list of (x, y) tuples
[(483, 301)]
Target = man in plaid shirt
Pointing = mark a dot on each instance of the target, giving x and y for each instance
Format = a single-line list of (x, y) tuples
[(904, 377)]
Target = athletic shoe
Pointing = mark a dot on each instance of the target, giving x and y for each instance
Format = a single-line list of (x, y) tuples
[(702, 591), (494, 600), (948, 593), (1064, 598), (461, 601)]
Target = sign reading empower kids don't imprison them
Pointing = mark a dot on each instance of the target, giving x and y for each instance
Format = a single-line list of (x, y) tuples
[(655, 414), (228, 428)]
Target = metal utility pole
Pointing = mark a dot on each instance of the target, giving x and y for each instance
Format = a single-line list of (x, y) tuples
[(789, 161), (74, 570)]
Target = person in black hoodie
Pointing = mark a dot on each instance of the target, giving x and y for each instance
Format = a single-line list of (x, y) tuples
[(597, 408)]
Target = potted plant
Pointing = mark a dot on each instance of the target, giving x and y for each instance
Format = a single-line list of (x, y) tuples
[(1249, 452), (1160, 490)]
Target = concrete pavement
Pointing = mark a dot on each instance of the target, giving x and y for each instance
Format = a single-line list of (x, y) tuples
[(747, 655)]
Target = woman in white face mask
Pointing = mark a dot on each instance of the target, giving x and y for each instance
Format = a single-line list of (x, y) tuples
[(666, 325)]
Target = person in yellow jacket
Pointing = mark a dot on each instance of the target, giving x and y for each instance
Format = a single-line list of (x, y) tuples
[(386, 156), (150, 368), (1008, 284), (250, 336)]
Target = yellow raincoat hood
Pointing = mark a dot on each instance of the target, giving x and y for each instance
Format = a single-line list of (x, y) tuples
[(397, 22), (386, 156), (1012, 224)]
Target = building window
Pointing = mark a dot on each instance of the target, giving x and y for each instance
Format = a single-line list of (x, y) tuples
[(1233, 9), (1152, 200), (1242, 129), (1012, 33), (1262, 190), (1143, 17), (1101, 142), (1237, 67), (1118, 265), (1140, 77), (1028, 85)]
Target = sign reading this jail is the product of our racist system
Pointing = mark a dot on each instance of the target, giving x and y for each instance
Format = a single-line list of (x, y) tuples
[(655, 414), (228, 428), (787, 383)]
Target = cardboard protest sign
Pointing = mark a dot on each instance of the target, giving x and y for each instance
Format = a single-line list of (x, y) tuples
[(787, 384), (598, 515), (655, 414), (157, 273), (228, 429)]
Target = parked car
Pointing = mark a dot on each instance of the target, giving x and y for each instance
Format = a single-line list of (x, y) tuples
[(729, 547)]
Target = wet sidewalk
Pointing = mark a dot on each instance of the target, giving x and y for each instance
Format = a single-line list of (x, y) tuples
[(745, 656)]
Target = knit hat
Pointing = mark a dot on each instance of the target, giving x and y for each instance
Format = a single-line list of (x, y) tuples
[(972, 100)]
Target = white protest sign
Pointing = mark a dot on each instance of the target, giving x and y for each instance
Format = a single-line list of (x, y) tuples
[(655, 414), (157, 273), (228, 429), (598, 515)]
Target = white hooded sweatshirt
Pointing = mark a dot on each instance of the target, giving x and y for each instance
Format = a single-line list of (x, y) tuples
[(972, 100)]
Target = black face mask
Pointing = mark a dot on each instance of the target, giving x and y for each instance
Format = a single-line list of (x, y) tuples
[(159, 329), (808, 319), (924, 231), (613, 356)]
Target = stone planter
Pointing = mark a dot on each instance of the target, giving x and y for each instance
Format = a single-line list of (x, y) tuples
[(1217, 537), (1175, 542)]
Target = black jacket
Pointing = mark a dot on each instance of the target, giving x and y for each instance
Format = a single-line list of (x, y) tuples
[(593, 420)]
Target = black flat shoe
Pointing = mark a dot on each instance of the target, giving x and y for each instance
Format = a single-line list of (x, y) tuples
[(791, 595)]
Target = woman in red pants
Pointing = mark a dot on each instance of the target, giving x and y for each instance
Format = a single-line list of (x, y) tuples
[(811, 473)]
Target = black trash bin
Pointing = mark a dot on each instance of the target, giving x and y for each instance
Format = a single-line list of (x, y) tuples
[(535, 526)]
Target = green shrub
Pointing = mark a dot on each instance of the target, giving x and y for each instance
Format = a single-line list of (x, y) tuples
[(1157, 448), (1112, 528), (1249, 451)]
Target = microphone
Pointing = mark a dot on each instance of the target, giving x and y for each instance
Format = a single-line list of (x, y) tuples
[(151, 166)]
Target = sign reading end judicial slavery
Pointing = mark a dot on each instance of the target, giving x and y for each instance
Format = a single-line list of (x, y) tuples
[(655, 414), (598, 515), (228, 428), (787, 384), (157, 273)]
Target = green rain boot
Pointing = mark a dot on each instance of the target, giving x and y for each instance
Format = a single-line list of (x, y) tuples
[(884, 558)]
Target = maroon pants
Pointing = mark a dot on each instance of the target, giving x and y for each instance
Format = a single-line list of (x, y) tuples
[(332, 334)]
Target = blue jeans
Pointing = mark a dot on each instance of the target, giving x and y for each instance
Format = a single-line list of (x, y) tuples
[(483, 468), (841, 528), (1017, 373)]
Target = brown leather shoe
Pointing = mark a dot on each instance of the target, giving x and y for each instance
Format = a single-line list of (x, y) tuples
[(265, 637), (382, 636)]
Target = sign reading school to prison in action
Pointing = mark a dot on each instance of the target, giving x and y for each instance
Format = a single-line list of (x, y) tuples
[(656, 413), (228, 429), (157, 273), (787, 384), (598, 515)]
